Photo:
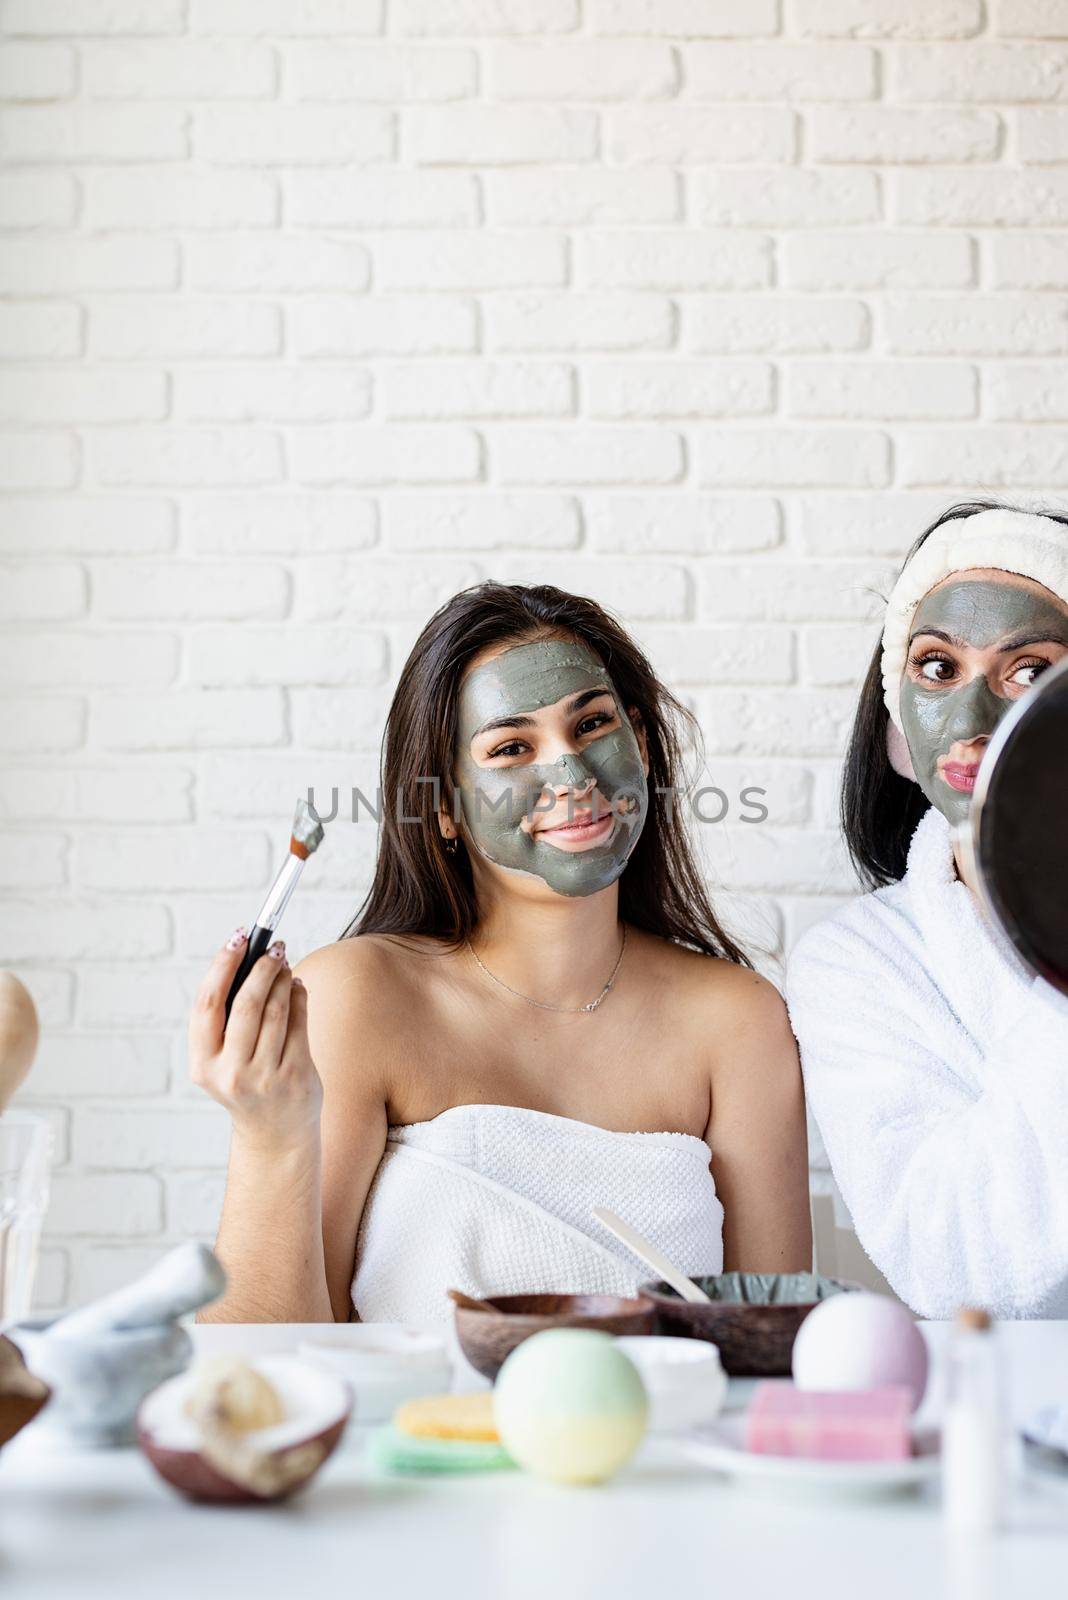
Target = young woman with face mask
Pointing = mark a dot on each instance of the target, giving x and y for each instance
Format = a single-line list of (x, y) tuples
[(935, 1065), (534, 1013)]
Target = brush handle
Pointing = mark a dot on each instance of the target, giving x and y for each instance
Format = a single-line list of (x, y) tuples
[(270, 915), (258, 940)]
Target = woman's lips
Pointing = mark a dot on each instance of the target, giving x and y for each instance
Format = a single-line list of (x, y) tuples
[(584, 827), (959, 775)]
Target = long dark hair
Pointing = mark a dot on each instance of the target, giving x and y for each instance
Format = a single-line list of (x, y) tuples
[(880, 809), (418, 886)]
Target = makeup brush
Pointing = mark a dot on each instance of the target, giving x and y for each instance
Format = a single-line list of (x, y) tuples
[(305, 839)]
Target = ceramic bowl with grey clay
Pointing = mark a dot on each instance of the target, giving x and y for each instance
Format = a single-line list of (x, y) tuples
[(99, 1380), (752, 1317)]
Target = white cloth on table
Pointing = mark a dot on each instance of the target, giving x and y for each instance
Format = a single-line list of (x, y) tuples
[(937, 1070), (498, 1199)]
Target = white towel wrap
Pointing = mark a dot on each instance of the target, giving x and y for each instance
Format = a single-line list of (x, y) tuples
[(498, 1199)]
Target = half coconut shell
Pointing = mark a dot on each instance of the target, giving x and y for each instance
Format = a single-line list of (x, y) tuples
[(229, 1468), (21, 1393)]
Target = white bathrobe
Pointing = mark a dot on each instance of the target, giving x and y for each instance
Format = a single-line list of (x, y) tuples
[(937, 1071), (499, 1200)]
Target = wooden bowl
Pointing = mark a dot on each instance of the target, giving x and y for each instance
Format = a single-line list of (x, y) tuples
[(753, 1318), (487, 1337)]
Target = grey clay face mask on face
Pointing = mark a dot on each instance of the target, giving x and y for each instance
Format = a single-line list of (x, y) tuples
[(499, 801), (933, 718)]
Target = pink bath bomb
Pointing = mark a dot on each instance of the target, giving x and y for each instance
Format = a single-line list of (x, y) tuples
[(860, 1341)]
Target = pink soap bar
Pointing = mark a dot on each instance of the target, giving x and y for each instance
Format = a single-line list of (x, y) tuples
[(857, 1425)]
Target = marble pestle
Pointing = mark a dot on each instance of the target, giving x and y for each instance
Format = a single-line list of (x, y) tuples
[(182, 1281), (101, 1360)]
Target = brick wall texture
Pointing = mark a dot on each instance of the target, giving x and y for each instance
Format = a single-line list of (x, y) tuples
[(314, 311)]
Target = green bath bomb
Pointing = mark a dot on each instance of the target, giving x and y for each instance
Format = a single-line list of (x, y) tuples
[(570, 1405)]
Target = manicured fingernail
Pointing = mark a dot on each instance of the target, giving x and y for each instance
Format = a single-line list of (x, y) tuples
[(298, 983), (237, 939), (277, 950)]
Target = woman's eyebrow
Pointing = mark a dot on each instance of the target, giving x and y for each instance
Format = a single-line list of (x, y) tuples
[(1018, 641), (523, 720), (585, 697), (936, 633), (1021, 641)]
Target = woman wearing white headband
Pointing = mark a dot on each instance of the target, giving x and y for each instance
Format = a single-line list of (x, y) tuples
[(936, 1067)]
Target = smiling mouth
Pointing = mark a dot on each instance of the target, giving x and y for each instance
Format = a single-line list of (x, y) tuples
[(583, 826), (960, 775)]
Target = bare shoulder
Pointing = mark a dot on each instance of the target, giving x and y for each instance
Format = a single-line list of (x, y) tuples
[(362, 997), (349, 968), (713, 981), (749, 1006), (741, 1011)]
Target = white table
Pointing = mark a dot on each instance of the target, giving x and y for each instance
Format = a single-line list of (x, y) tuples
[(101, 1523)]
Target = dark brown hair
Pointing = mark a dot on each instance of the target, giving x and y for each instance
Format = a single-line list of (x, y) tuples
[(419, 887), (880, 809)]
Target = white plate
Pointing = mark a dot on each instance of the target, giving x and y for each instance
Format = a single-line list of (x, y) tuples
[(721, 1447)]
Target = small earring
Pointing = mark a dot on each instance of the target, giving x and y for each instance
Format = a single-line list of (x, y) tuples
[(451, 845)]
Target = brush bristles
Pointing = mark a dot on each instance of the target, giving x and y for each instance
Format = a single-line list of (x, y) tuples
[(307, 833)]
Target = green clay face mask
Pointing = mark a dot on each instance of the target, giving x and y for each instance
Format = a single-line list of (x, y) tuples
[(936, 716), (506, 800)]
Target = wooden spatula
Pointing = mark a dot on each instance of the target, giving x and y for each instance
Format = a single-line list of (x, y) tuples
[(652, 1257), (469, 1302)]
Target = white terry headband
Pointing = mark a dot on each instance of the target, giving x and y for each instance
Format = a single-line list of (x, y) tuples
[(1023, 542)]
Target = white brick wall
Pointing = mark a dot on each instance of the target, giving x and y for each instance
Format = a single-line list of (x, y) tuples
[(314, 311)]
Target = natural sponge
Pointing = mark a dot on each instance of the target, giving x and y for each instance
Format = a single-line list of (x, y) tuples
[(449, 1416)]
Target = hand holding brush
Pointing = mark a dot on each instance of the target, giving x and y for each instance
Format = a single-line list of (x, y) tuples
[(259, 1067), (253, 1055), (305, 839)]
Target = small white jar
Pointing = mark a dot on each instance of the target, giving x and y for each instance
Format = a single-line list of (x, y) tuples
[(684, 1379), (384, 1363)]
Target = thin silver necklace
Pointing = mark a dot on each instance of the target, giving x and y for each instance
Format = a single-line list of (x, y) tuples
[(544, 1005)]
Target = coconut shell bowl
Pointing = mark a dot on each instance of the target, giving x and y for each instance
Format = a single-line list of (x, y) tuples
[(21, 1393), (489, 1330), (753, 1317)]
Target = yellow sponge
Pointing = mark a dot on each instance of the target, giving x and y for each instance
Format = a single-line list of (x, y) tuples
[(449, 1416)]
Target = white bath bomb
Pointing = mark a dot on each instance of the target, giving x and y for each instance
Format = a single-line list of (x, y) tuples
[(860, 1341), (570, 1405)]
